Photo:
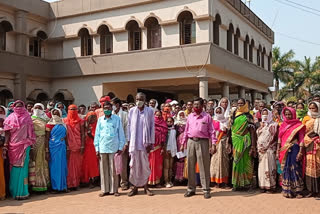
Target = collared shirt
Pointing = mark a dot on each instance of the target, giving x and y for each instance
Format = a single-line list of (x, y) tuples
[(124, 120), (109, 136), (199, 126), (139, 135)]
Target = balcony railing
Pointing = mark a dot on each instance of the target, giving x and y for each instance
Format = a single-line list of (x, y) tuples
[(252, 17)]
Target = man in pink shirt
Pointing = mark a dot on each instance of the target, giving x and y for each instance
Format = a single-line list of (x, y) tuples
[(198, 133)]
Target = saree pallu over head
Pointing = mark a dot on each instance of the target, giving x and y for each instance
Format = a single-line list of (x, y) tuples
[(22, 134), (289, 129), (161, 130)]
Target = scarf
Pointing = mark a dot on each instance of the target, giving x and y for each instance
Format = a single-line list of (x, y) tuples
[(38, 113), (172, 141), (180, 120), (288, 124), (161, 129), (55, 119), (63, 111), (269, 117), (73, 118), (242, 109), (5, 112), (226, 111), (19, 117), (92, 125), (223, 121), (9, 109), (316, 116), (148, 127), (155, 107)]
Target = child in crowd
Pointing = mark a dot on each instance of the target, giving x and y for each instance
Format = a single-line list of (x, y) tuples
[(170, 152)]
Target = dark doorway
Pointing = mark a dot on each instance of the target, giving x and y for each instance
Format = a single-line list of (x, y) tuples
[(5, 97), (161, 97)]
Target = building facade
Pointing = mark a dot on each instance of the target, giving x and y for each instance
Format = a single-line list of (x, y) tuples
[(79, 50)]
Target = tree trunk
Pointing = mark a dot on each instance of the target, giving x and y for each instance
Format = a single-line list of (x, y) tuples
[(277, 88)]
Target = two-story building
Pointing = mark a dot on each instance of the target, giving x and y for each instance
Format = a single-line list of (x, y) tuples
[(79, 50)]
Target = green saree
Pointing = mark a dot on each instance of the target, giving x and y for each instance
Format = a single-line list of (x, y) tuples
[(242, 170)]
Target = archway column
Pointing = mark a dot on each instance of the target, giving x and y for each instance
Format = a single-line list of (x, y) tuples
[(225, 89), (242, 92), (203, 87)]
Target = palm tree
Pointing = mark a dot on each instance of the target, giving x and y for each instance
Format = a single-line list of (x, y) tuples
[(282, 66), (306, 77)]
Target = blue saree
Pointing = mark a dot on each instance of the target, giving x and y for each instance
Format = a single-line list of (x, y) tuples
[(58, 158)]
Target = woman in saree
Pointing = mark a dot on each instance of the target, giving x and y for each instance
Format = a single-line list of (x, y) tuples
[(156, 154), (312, 146), (302, 111), (219, 169), (3, 112), (90, 166), (56, 136), (39, 179), (20, 137), (62, 108), (244, 146), (76, 139), (290, 153), (267, 135), (180, 124)]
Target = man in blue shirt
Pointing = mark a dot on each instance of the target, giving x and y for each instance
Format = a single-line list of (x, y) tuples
[(108, 141)]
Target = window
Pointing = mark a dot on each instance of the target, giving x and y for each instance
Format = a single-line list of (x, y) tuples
[(259, 56), (230, 32), (216, 29), (251, 46), (262, 57), (36, 47), (236, 42), (5, 27), (245, 47), (106, 40), (86, 42), (153, 33), (134, 34), (187, 28), (270, 61)]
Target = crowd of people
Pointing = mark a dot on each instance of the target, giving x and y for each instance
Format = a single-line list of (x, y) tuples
[(225, 144)]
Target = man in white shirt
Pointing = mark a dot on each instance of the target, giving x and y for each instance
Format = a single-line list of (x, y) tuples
[(117, 110)]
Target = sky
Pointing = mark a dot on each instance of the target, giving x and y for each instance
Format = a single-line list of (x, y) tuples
[(294, 29)]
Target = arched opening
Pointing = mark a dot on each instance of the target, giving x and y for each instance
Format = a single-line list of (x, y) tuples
[(262, 57), (270, 61), (251, 46), (130, 99), (245, 47), (36, 46), (153, 33), (230, 32), (259, 55), (106, 39), (134, 35), (42, 98), (216, 29), (5, 27), (5, 97), (64, 96), (187, 27), (86, 42), (236, 41)]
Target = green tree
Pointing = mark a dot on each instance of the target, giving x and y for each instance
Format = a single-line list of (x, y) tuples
[(282, 67), (306, 77)]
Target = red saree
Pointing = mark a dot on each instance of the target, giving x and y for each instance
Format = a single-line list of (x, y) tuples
[(155, 156), (90, 167)]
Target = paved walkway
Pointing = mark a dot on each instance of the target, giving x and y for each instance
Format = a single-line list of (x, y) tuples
[(165, 201)]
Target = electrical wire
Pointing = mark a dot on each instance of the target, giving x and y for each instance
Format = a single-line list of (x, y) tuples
[(301, 5), (299, 8), (297, 39)]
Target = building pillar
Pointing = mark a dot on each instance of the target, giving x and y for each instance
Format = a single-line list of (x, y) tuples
[(20, 87), (225, 90), (21, 29), (203, 87), (242, 92), (253, 96)]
